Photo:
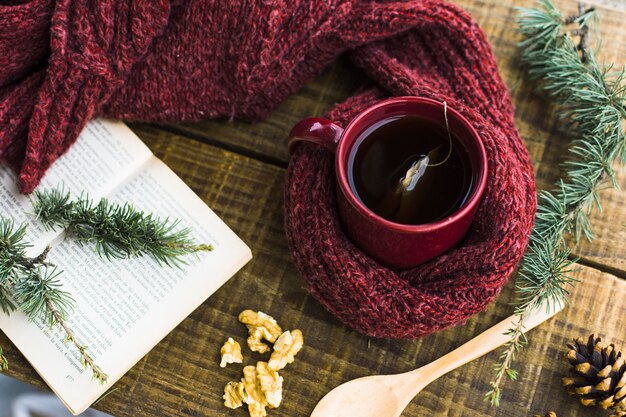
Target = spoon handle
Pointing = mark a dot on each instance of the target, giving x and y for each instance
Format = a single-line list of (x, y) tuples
[(482, 344)]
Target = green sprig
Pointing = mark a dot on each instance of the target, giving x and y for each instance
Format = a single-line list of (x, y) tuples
[(32, 285), (590, 100), (118, 231), (37, 288), (12, 256)]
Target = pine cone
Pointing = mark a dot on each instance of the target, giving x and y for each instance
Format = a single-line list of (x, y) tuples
[(550, 414), (598, 375), (619, 413)]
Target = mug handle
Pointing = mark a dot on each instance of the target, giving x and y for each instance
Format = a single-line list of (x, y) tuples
[(317, 130)]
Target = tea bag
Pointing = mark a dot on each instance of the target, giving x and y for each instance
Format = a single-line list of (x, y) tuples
[(407, 194)]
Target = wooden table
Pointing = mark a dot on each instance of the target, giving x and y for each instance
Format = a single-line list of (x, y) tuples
[(238, 169)]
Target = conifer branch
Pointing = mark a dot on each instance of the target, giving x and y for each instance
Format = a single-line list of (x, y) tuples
[(503, 369), (590, 100), (118, 231), (57, 317), (32, 285)]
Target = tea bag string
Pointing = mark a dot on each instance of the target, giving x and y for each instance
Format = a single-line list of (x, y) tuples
[(445, 116)]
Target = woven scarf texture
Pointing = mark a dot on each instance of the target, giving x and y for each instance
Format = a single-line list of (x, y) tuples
[(63, 62)]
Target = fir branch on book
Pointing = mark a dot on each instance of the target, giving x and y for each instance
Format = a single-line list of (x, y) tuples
[(118, 231), (591, 100), (34, 286)]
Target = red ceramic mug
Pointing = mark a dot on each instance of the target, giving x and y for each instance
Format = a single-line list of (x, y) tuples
[(397, 245)]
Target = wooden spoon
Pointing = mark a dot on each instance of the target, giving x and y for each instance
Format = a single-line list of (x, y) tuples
[(388, 395)]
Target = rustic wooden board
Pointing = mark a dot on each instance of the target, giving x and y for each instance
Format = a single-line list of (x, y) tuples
[(181, 376), (543, 135)]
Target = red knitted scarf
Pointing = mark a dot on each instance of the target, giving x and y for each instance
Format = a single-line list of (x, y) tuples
[(63, 62)]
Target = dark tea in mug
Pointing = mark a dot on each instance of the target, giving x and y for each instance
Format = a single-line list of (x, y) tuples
[(410, 170)]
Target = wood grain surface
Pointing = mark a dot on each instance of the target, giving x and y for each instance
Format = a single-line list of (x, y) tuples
[(238, 169)]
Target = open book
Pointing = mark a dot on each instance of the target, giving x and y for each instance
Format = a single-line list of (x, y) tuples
[(123, 307)]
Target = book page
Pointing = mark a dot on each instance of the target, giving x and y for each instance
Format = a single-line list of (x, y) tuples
[(125, 307), (104, 155)]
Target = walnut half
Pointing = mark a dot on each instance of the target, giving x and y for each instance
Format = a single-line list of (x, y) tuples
[(260, 326), (271, 384), (233, 394), (253, 395), (285, 349), (231, 353)]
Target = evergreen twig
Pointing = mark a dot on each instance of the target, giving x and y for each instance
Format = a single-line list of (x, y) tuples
[(118, 231), (32, 285), (591, 102), (57, 317)]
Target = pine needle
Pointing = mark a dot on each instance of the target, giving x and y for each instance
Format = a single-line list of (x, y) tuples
[(590, 100)]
